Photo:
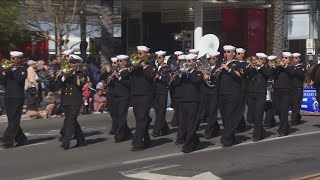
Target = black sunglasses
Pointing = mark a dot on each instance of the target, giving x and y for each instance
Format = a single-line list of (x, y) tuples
[(159, 57), (119, 60), (188, 60), (227, 51), (214, 58), (238, 53), (296, 57), (140, 53), (285, 57), (115, 62)]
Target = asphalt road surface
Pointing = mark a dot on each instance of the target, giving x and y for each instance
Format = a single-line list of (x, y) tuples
[(290, 157)]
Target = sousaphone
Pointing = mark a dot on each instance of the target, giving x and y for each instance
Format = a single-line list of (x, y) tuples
[(207, 43)]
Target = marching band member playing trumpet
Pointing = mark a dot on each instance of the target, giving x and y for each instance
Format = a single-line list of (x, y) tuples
[(257, 90), (282, 87), (110, 90), (229, 77), (211, 96), (174, 121), (244, 85), (269, 120), (297, 88), (71, 101), (161, 96), (121, 96), (189, 81), (13, 79), (142, 79)]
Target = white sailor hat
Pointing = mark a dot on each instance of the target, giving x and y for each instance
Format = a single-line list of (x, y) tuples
[(229, 47), (213, 53), (68, 52), (76, 57), (191, 56), (143, 48), (296, 54), (30, 62), (240, 50), (182, 57), (272, 57), (177, 53), (100, 85), (16, 54), (114, 59), (193, 51), (286, 54), (122, 57), (161, 53), (262, 55)]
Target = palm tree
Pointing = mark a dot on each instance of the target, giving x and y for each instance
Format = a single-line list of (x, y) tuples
[(278, 25)]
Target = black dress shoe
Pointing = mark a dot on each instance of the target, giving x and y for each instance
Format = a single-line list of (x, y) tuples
[(155, 134), (112, 132), (186, 150), (7, 145), (22, 142), (65, 146), (137, 148)]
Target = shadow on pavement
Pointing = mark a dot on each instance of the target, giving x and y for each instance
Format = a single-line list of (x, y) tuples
[(39, 140), (92, 133), (160, 141), (95, 141)]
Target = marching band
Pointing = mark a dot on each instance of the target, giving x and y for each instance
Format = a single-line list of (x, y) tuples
[(199, 88)]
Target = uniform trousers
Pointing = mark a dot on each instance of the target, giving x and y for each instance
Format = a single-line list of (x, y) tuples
[(188, 126), (213, 127), (282, 100), (256, 102), (203, 113), (71, 125), (141, 108), (270, 109), (231, 115), (160, 107), (297, 94), (14, 132), (121, 105), (174, 121), (111, 109)]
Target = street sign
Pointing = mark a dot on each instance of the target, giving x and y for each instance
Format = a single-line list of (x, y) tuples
[(311, 51), (309, 43), (145, 173)]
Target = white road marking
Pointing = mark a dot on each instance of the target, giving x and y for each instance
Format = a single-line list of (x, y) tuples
[(216, 148), (145, 173), (94, 168)]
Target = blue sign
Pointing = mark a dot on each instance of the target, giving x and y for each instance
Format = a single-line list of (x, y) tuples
[(309, 102)]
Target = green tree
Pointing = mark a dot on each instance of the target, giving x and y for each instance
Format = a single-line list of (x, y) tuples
[(10, 32)]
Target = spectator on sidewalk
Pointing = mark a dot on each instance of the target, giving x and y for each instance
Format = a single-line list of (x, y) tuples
[(99, 100), (31, 86)]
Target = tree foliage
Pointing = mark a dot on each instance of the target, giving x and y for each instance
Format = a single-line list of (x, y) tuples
[(11, 32)]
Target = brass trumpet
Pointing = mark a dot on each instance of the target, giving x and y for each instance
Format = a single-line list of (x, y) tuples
[(6, 64)]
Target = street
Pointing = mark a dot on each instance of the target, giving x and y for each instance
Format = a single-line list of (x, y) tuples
[(288, 157)]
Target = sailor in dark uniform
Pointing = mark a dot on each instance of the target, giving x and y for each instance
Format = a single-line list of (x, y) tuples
[(121, 99), (297, 89), (258, 75), (71, 100), (174, 121), (110, 97), (229, 82), (190, 81), (161, 96), (142, 78), (211, 96), (282, 88), (13, 80), (244, 85), (270, 108)]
